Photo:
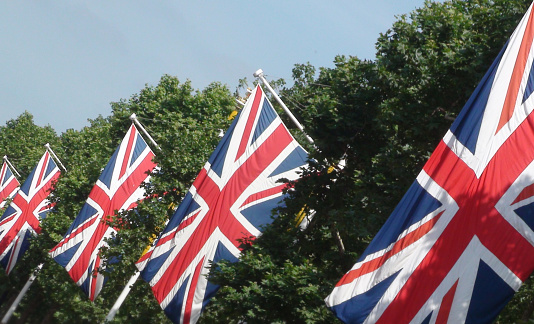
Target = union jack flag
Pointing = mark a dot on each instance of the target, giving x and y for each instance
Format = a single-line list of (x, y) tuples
[(8, 184), (231, 199), (22, 217), (460, 242), (118, 188)]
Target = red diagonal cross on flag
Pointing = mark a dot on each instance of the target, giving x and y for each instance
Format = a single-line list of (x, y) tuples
[(22, 217), (461, 241), (477, 216), (231, 199), (8, 183), (118, 188), (219, 216)]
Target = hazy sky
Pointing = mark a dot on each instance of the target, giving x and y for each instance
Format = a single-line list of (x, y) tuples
[(65, 61)]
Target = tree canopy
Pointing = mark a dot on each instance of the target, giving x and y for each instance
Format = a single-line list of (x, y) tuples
[(375, 122)]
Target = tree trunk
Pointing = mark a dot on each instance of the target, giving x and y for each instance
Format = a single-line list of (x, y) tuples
[(49, 316)]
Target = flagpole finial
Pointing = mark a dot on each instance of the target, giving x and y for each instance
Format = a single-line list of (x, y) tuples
[(134, 120), (258, 73), (6, 160), (49, 149)]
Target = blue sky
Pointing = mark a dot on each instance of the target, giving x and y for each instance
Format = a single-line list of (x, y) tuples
[(65, 61)]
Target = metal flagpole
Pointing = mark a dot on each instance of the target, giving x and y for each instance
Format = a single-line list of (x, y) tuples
[(11, 165), (259, 74), (133, 118), (118, 303), (21, 294), (49, 149), (113, 311), (30, 281)]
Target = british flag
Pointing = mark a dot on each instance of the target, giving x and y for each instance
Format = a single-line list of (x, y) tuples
[(22, 217), (8, 184), (118, 188), (231, 199), (461, 241)]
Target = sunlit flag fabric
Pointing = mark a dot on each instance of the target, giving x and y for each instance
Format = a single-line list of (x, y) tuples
[(22, 217), (232, 198), (460, 242), (8, 184), (117, 188)]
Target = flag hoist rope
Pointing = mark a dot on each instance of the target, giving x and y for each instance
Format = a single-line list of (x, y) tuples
[(30, 281), (115, 308), (11, 166)]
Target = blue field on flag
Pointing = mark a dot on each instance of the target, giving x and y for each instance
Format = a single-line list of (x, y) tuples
[(231, 198), (22, 218), (461, 241), (8, 184), (118, 188)]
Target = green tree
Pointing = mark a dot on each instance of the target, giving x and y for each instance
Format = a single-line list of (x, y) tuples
[(186, 124), (384, 117), (23, 142)]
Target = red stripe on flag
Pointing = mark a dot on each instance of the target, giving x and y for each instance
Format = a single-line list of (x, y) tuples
[(191, 293), (12, 255), (43, 168), (446, 303), (517, 75), (263, 194), (218, 214), (144, 257), (250, 122), (401, 244), (94, 279), (12, 185), (6, 220), (187, 221), (4, 167), (126, 156), (165, 239), (525, 194), (73, 234)]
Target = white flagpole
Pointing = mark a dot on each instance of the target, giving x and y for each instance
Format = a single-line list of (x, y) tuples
[(21, 294), (49, 149), (113, 311), (259, 74), (30, 281), (118, 303), (11, 165), (133, 118)]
